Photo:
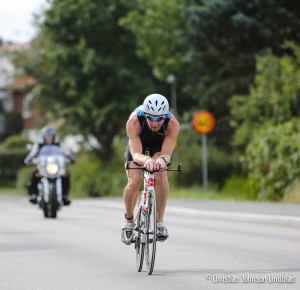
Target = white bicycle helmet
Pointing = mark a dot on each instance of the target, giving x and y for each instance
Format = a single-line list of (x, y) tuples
[(156, 104)]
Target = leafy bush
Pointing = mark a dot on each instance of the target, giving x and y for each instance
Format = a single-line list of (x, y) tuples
[(221, 165), (14, 123), (90, 177), (274, 157), (293, 195), (12, 155), (238, 188), (273, 98), (23, 177), (10, 163), (15, 142)]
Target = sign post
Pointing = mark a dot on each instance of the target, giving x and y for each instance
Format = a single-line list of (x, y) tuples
[(204, 123)]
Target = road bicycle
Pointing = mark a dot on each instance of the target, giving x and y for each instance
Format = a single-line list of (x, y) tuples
[(145, 221)]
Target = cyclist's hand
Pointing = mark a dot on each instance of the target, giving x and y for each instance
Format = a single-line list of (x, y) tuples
[(160, 165), (150, 164)]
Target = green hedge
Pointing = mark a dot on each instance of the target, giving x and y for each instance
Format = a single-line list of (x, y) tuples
[(10, 163), (12, 155), (90, 177)]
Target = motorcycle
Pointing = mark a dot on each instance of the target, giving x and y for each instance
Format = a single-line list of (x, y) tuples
[(51, 164)]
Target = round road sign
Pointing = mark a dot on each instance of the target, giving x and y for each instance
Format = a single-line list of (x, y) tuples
[(204, 122)]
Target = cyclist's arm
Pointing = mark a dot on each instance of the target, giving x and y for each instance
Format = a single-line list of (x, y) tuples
[(170, 139), (133, 129)]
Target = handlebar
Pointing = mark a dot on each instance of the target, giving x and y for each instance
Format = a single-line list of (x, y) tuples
[(178, 169)]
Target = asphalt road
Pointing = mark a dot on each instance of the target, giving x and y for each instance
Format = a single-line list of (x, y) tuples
[(207, 249)]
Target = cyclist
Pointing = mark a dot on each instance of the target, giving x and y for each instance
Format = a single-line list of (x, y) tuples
[(150, 127), (49, 135)]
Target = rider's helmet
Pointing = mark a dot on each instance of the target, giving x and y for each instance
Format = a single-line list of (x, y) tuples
[(156, 104), (49, 132)]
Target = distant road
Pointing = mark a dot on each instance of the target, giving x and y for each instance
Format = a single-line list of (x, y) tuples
[(82, 249)]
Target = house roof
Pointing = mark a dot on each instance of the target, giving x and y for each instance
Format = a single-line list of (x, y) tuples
[(7, 80), (14, 47), (22, 83)]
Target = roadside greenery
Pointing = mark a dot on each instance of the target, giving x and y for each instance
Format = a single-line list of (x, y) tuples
[(273, 157), (267, 125), (95, 61), (12, 154)]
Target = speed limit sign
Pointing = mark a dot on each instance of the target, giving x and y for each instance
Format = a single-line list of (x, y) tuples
[(204, 122)]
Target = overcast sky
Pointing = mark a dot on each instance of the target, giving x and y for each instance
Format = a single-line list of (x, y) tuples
[(16, 19)]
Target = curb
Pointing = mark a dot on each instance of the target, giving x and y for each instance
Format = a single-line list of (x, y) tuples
[(233, 216), (282, 220)]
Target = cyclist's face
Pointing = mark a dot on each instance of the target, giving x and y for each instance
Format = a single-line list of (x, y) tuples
[(154, 125)]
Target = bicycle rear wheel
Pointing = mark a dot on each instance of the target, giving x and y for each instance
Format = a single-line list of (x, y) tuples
[(150, 225), (139, 246)]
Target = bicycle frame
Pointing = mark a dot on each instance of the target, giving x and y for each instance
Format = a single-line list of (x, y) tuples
[(145, 221)]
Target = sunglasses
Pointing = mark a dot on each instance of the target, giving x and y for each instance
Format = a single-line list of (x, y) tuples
[(156, 119)]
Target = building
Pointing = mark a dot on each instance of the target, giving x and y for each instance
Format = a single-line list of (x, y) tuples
[(14, 93)]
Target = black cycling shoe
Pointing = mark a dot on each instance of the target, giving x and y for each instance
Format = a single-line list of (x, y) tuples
[(66, 200), (33, 199)]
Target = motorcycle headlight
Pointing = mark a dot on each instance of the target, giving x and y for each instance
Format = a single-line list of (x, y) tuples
[(52, 168)]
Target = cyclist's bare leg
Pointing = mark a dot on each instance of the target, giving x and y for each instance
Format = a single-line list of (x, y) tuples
[(131, 191), (161, 190)]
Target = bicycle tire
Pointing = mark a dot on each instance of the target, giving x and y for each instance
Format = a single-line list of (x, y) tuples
[(139, 246), (150, 223)]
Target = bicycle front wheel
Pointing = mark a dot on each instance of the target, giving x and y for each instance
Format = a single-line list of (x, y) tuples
[(139, 244), (150, 227)]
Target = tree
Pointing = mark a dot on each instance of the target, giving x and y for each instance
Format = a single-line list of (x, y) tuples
[(273, 156), (211, 46), (273, 98), (85, 64), (159, 28), (227, 35), (267, 124)]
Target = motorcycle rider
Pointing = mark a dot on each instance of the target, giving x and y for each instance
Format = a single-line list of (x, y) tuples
[(49, 135)]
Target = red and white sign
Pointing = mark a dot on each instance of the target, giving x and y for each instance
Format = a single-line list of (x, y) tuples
[(204, 122)]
